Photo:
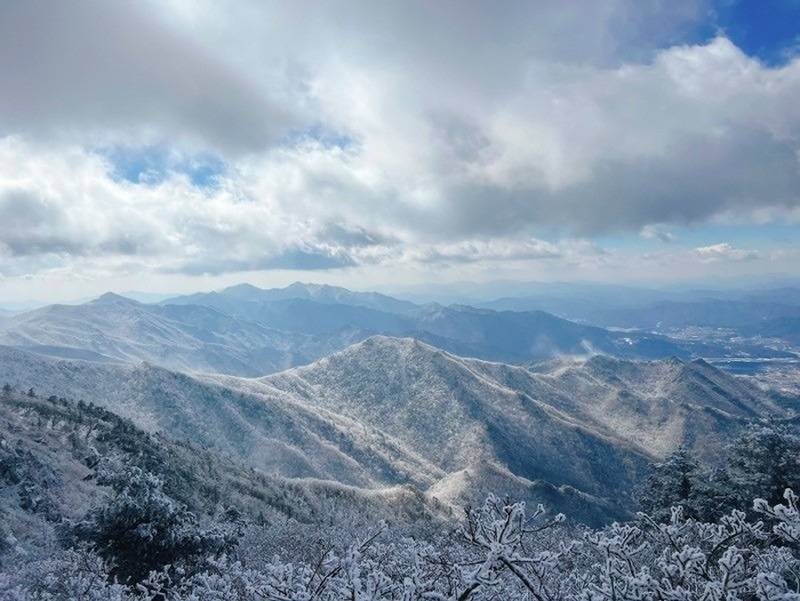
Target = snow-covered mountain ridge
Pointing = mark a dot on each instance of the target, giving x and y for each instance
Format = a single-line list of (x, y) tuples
[(185, 338), (391, 411), (237, 332)]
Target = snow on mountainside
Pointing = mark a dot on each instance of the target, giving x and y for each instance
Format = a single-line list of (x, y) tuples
[(574, 426), (187, 338), (441, 407), (657, 405), (278, 435), (246, 338), (393, 411), (50, 448), (472, 485), (459, 410)]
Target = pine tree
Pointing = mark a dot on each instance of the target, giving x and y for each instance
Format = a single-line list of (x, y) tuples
[(141, 529), (670, 483), (765, 461)]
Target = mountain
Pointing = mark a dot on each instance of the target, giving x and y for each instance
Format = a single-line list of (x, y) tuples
[(319, 293), (314, 318), (483, 333), (483, 294), (712, 313), (786, 295), (277, 434), (500, 336), (658, 405), (517, 337), (249, 338), (611, 306), (440, 403), (785, 328), (472, 485), (390, 411), (576, 424), (181, 337), (50, 448), (530, 296), (441, 406)]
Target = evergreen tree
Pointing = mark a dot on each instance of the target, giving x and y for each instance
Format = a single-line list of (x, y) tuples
[(764, 462), (670, 483), (141, 529)]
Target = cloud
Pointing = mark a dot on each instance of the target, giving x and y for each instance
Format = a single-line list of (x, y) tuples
[(197, 138), (701, 131), (67, 206), (108, 69), (485, 251), (297, 259), (653, 232), (724, 252)]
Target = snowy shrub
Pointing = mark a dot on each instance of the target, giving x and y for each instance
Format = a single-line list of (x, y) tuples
[(65, 576), (499, 552)]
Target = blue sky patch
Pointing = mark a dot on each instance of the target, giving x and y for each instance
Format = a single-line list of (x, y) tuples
[(151, 165), (319, 132), (768, 30)]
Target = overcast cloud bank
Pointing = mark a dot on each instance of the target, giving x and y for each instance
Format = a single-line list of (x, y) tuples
[(357, 139)]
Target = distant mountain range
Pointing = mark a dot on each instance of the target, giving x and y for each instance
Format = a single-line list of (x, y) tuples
[(113, 329), (246, 331), (491, 294), (769, 312), (391, 411), (614, 306), (714, 313), (236, 297)]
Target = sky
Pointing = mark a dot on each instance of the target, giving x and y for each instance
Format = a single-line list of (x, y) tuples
[(184, 145)]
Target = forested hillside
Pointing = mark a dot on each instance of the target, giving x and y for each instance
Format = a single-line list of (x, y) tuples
[(96, 509)]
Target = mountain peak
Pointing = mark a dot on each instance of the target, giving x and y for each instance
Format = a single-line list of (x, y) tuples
[(243, 291), (113, 298), (304, 286), (380, 343)]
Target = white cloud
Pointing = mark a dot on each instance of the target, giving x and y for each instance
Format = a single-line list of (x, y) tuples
[(356, 134), (654, 232), (725, 252)]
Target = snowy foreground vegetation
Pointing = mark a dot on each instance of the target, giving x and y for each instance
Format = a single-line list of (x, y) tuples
[(500, 551), (93, 508)]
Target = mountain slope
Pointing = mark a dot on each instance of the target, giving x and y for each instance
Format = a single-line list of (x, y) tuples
[(714, 313), (247, 338), (657, 405), (436, 405), (397, 411), (188, 338), (579, 415), (523, 336), (494, 335), (277, 434), (472, 485), (50, 448)]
